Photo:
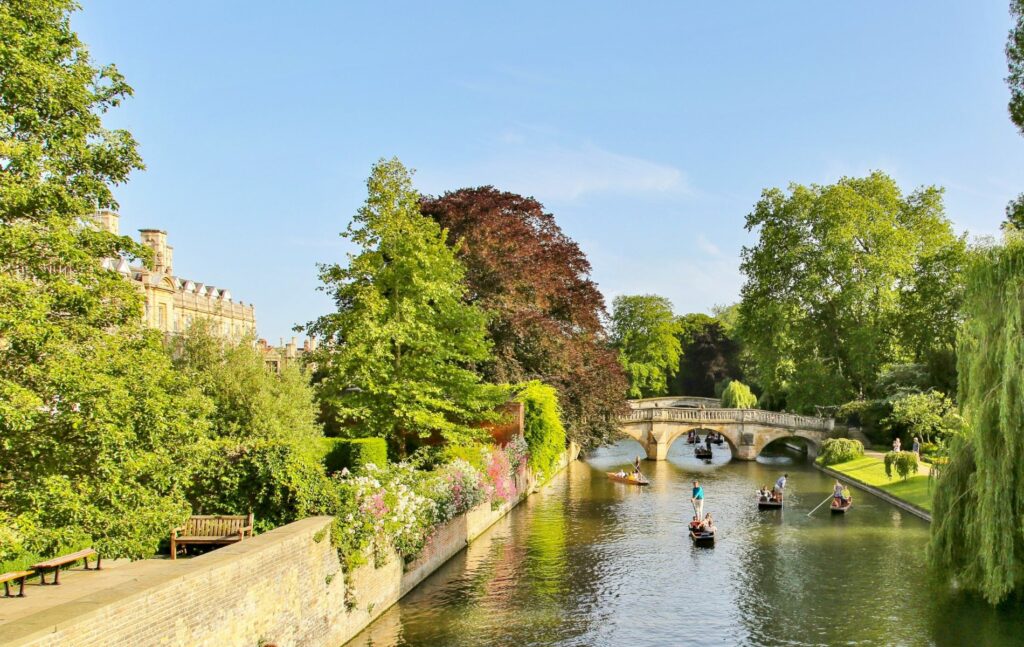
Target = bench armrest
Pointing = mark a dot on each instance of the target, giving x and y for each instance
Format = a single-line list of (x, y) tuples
[(245, 529), (175, 531)]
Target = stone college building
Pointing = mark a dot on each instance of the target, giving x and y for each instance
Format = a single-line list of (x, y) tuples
[(174, 302)]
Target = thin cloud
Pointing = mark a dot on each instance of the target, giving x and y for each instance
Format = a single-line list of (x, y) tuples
[(706, 246), (561, 173)]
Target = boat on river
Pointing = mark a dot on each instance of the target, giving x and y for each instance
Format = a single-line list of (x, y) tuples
[(841, 509), (702, 452), (701, 537), (632, 478), (770, 503)]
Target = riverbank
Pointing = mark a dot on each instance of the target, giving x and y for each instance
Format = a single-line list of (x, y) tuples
[(868, 473), (284, 587)]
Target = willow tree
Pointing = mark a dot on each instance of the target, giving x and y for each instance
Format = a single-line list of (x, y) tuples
[(978, 510), (398, 355)]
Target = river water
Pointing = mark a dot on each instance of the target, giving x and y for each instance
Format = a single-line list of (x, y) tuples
[(590, 562)]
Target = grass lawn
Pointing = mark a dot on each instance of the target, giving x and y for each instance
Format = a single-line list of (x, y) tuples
[(871, 470)]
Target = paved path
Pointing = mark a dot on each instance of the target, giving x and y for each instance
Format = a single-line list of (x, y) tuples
[(44, 602)]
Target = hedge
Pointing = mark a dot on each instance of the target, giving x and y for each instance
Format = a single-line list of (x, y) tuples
[(353, 453)]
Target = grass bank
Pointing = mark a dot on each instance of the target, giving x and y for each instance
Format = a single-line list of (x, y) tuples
[(870, 470)]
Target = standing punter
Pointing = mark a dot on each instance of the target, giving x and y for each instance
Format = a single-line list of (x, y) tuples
[(698, 499), (780, 485)]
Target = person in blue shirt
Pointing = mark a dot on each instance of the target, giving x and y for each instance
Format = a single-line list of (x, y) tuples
[(698, 499), (780, 485)]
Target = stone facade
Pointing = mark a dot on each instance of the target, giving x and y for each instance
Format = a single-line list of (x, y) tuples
[(284, 587), (172, 302), (286, 354)]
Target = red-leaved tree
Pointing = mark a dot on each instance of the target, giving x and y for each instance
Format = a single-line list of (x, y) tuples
[(545, 311)]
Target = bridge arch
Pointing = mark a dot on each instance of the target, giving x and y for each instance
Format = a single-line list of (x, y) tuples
[(731, 438), (747, 431)]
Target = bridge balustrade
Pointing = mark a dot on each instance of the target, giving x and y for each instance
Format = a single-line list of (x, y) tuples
[(758, 416)]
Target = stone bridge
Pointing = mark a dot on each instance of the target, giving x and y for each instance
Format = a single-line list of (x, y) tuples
[(656, 423)]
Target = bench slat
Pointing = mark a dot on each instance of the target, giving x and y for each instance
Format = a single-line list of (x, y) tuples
[(15, 575), (64, 559)]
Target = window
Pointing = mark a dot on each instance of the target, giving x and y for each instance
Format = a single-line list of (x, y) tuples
[(162, 316)]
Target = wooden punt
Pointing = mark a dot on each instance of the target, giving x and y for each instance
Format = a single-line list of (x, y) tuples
[(841, 509), (700, 537), (628, 478), (701, 452), (769, 504)]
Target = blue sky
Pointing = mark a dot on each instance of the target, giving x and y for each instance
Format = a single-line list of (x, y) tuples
[(648, 129)]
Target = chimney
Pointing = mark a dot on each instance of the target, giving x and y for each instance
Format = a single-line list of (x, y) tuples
[(108, 221), (157, 241)]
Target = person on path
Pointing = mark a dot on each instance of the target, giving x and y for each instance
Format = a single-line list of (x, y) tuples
[(780, 485), (698, 499), (916, 447), (896, 445)]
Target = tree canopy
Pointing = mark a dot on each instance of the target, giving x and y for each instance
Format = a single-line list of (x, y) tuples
[(398, 356), (709, 356), (644, 329), (1015, 63), (94, 422), (844, 280), (545, 313)]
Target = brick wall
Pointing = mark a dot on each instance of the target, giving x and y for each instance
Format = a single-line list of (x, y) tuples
[(283, 587)]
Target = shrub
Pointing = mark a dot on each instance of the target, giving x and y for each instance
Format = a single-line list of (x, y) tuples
[(738, 395), (279, 482), (840, 450), (353, 453), (542, 426), (904, 462)]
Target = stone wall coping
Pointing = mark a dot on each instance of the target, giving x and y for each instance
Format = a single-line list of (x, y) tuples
[(168, 573)]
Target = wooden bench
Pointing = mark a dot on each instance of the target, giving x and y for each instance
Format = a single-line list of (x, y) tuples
[(211, 529), (55, 564), (15, 576)]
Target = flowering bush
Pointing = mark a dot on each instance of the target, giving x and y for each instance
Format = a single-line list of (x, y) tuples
[(381, 510), (458, 487), (398, 507), (518, 452), (503, 483)]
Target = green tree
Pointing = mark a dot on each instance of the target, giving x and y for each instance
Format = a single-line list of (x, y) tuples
[(264, 453), (844, 280), (929, 416), (643, 328), (978, 510), (1015, 63), (95, 426), (709, 356), (399, 353)]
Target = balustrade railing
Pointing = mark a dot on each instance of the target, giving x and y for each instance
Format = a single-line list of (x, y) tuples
[(756, 416)]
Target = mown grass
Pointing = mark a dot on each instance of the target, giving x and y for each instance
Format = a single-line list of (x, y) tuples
[(871, 471)]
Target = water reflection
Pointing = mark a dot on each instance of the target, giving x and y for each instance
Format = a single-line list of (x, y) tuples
[(592, 562)]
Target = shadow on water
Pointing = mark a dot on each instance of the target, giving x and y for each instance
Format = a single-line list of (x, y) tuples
[(591, 562)]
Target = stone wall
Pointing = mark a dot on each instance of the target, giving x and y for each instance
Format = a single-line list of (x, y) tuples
[(284, 587)]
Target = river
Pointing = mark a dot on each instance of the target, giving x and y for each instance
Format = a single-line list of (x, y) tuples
[(590, 562)]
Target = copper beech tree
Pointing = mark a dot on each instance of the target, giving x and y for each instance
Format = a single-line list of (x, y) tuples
[(545, 311)]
